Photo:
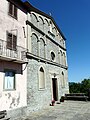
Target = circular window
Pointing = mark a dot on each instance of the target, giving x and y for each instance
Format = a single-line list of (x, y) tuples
[(52, 56)]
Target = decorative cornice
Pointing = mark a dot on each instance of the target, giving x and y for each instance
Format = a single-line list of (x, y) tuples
[(37, 29), (30, 56)]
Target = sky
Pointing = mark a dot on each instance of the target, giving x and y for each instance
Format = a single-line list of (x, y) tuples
[(73, 18)]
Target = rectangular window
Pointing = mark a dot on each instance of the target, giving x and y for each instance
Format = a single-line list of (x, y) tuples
[(11, 41), (12, 10), (9, 82)]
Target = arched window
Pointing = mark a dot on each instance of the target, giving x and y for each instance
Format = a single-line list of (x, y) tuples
[(51, 26), (63, 43), (41, 23), (46, 26), (59, 37), (42, 48), (52, 56), (34, 19), (41, 79), (64, 59), (61, 57), (63, 80), (34, 43), (54, 31)]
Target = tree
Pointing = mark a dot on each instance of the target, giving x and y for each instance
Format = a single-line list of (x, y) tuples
[(79, 87), (85, 85)]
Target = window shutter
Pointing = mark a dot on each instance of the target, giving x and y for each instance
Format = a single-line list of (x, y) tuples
[(9, 41), (14, 42), (15, 12), (10, 8)]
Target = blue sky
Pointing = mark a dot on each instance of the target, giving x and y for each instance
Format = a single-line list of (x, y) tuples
[(73, 18)]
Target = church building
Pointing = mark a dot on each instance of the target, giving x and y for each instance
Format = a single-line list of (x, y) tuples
[(47, 70)]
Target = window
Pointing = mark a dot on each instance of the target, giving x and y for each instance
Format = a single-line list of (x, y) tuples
[(12, 10), (11, 41), (34, 19), (42, 48), (52, 56), (41, 79), (9, 82), (63, 80), (51, 26), (64, 59), (34, 43), (46, 26), (41, 23)]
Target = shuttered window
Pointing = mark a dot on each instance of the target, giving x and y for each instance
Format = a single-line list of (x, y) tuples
[(12, 10), (11, 41), (14, 42), (15, 11)]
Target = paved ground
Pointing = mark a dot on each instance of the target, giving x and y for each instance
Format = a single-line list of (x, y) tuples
[(69, 110)]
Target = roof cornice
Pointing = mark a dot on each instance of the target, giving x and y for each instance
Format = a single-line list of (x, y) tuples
[(32, 8)]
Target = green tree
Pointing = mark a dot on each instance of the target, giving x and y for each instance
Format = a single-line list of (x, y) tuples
[(79, 87), (85, 85)]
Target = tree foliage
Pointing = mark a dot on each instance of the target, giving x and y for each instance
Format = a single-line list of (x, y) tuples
[(79, 87)]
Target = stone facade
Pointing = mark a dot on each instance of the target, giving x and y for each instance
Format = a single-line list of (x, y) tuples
[(47, 51)]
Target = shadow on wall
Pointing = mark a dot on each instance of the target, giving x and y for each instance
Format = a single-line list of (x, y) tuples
[(5, 65)]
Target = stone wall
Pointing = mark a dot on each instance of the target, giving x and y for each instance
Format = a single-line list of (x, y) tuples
[(41, 46), (36, 98)]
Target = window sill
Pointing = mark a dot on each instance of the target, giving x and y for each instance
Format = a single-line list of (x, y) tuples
[(12, 49), (41, 89), (6, 90)]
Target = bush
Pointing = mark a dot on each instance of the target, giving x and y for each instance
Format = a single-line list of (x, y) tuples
[(62, 99)]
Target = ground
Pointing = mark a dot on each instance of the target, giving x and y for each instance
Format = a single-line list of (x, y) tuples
[(68, 110)]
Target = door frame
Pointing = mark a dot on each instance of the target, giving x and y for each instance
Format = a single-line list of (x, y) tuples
[(55, 89)]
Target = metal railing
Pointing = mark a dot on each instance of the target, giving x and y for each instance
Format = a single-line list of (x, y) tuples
[(19, 54)]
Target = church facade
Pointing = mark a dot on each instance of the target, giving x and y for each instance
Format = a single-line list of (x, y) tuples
[(47, 75)]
